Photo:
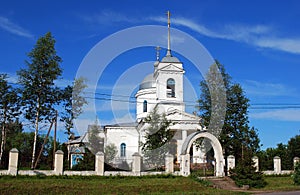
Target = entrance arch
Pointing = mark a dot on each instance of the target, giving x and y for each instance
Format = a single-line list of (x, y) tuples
[(185, 156)]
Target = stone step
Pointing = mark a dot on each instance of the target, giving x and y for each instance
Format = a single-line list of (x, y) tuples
[(225, 183)]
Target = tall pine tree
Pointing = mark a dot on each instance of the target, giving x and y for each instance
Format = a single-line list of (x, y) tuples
[(39, 93), (235, 136)]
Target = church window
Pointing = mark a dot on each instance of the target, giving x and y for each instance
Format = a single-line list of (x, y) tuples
[(170, 88), (123, 150), (145, 106)]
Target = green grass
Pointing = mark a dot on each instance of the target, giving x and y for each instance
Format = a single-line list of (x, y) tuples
[(105, 185), (280, 183)]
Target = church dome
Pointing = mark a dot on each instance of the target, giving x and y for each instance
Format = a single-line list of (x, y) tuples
[(148, 82), (169, 59)]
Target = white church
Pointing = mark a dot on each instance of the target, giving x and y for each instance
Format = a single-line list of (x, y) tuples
[(162, 89)]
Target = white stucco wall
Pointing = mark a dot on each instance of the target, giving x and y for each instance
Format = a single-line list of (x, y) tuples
[(127, 135)]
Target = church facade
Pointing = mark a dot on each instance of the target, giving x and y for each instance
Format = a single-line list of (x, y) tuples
[(164, 90)]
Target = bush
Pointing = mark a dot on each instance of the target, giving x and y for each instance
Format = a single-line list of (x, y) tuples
[(245, 174), (296, 175)]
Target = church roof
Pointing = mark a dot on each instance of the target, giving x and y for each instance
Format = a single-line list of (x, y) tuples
[(148, 82), (133, 124), (170, 59)]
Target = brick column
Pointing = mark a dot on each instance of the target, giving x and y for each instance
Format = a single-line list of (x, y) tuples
[(169, 163), (99, 164), (296, 160), (277, 165), (256, 163), (59, 162), (136, 164), (13, 162), (185, 165), (230, 163)]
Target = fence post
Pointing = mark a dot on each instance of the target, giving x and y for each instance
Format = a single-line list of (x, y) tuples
[(136, 164), (13, 162), (256, 163), (59, 162), (230, 163), (185, 165), (169, 163), (296, 160), (99, 164), (277, 165)]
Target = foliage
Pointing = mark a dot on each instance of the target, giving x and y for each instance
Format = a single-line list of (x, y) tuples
[(23, 141), (39, 93), (286, 152), (245, 173), (9, 111), (73, 101), (87, 163), (220, 95), (157, 138), (110, 152), (95, 143), (296, 175)]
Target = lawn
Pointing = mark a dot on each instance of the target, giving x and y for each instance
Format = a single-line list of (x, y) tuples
[(280, 183), (105, 185), (165, 184)]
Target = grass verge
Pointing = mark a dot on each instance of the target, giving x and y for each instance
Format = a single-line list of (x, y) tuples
[(105, 185)]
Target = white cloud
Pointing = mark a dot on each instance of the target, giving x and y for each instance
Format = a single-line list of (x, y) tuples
[(281, 115), (108, 17), (13, 28), (256, 88), (257, 35)]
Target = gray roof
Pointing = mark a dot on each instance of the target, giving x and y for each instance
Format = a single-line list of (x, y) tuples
[(133, 124), (148, 82), (170, 59)]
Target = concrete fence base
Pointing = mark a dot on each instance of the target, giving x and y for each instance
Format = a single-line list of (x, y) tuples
[(136, 166)]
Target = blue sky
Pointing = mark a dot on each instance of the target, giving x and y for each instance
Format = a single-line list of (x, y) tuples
[(257, 41)]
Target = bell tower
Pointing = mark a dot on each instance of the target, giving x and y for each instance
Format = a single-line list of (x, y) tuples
[(168, 76)]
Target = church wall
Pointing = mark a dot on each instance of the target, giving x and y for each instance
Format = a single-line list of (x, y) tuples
[(151, 101), (127, 135)]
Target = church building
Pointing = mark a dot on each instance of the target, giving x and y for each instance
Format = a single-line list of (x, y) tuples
[(164, 90)]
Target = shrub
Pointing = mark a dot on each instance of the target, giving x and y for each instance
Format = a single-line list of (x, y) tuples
[(296, 175), (245, 174)]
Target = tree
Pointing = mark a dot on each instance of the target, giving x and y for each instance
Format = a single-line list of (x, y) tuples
[(95, 143), (9, 110), (12, 130), (212, 102), (231, 114), (157, 138), (296, 174), (293, 147), (39, 93), (110, 152), (240, 136), (73, 101), (245, 173)]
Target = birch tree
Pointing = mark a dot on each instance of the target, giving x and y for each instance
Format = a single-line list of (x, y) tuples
[(39, 93)]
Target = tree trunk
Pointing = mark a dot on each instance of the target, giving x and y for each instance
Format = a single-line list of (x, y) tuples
[(35, 136), (3, 138)]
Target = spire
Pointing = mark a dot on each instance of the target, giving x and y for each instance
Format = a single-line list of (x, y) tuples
[(169, 36), (157, 48)]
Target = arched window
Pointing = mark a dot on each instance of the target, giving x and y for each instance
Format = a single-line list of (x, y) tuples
[(123, 150), (170, 88), (145, 106)]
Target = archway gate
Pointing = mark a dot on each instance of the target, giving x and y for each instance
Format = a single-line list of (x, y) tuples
[(185, 156)]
